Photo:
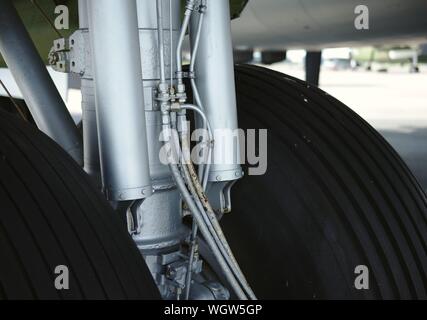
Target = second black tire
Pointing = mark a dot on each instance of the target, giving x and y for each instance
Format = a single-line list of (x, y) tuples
[(52, 215), (335, 198)]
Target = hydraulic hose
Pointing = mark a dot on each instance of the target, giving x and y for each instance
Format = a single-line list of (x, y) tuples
[(203, 176), (202, 226), (208, 214)]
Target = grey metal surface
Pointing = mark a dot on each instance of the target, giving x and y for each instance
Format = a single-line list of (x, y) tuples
[(159, 226), (159, 230), (90, 130), (209, 291), (119, 99), (147, 25), (160, 221), (314, 24), (149, 44), (40, 94), (215, 81)]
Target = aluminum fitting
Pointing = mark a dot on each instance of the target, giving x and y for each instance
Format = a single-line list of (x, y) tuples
[(163, 87), (175, 107)]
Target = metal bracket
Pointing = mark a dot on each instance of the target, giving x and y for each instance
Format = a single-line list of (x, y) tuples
[(219, 194), (58, 55), (169, 271), (72, 55), (133, 218)]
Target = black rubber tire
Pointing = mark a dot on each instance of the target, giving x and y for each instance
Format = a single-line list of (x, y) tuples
[(335, 196), (50, 215), (7, 105)]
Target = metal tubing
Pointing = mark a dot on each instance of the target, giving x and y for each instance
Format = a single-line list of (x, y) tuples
[(187, 15), (43, 99), (215, 81), (160, 34), (167, 215), (204, 175), (188, 198), (211, 219), (195, 48), (202, 8), (204, 207), (90, 130), (149, 47), (171, 41), (119, 99)]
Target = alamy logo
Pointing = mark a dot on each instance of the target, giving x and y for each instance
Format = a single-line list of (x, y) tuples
[(362, 279), (248, 147), (362, 19), (62, 21), (62, 280)]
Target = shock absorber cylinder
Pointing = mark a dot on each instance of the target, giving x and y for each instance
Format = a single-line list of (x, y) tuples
[(160, 229), (119, 99), (215, 82), (214, 73)]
